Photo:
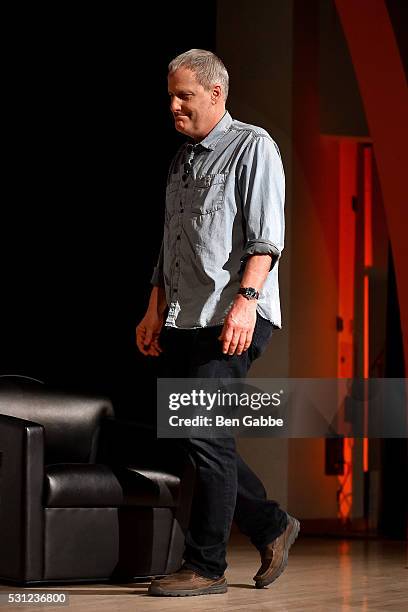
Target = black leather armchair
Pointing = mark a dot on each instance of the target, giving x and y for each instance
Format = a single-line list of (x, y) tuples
[(84, 497)]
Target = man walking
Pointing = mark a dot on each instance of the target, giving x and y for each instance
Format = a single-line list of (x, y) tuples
[(214, 305)]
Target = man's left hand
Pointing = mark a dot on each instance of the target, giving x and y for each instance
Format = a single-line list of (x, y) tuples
[(236, 334)]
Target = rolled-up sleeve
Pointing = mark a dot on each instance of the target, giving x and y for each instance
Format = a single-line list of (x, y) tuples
[(262, 189), (157, 279)]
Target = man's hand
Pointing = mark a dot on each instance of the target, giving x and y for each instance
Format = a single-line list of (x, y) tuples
[(236, 334), (147, 334)]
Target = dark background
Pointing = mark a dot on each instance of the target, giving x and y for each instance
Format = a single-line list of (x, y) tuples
[(91, 137)]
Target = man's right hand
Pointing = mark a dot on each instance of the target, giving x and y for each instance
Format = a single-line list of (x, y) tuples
[(147, 334)]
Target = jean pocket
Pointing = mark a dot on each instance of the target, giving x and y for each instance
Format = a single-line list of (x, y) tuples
[(262, 334)]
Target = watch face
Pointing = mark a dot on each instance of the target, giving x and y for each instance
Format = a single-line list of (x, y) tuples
[(249, 292)]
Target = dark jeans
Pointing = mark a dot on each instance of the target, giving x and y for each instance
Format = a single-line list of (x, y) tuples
[(226, 488)]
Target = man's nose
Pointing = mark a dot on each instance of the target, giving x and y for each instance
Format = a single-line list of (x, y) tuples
[(175, 105)]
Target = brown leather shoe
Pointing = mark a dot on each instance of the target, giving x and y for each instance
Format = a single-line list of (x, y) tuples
[(186, 582), (274, 557)]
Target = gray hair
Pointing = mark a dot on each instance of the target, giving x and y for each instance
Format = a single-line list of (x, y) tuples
[(207, 67)]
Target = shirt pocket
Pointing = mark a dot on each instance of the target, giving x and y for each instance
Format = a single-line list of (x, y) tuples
[(172, 191), (208, 194)]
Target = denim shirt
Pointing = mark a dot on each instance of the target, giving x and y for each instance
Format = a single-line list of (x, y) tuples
[(224, 202)]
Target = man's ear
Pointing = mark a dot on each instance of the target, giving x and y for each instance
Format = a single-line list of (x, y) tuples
[(216, 94)]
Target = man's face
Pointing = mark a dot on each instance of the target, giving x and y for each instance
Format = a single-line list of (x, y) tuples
[(193, 107)]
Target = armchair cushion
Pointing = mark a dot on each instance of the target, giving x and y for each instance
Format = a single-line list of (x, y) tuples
[(153, 488), (81, 485)]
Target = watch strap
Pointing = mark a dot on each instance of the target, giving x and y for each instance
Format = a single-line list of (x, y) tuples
[(249, 292)]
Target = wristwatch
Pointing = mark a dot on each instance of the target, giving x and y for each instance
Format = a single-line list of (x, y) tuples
[(249, 292)]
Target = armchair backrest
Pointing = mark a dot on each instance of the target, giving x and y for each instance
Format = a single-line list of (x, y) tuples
[(71, 421)]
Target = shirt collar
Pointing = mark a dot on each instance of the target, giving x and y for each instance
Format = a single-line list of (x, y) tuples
[(211, 140)]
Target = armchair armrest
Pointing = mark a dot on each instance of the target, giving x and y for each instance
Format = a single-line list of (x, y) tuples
[(124, 442), (21, 485)]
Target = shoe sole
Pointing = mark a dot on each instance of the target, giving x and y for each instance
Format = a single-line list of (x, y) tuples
[(263, 582), (213, 590)]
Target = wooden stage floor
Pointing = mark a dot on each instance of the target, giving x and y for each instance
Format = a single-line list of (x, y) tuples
[(323, 575)]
